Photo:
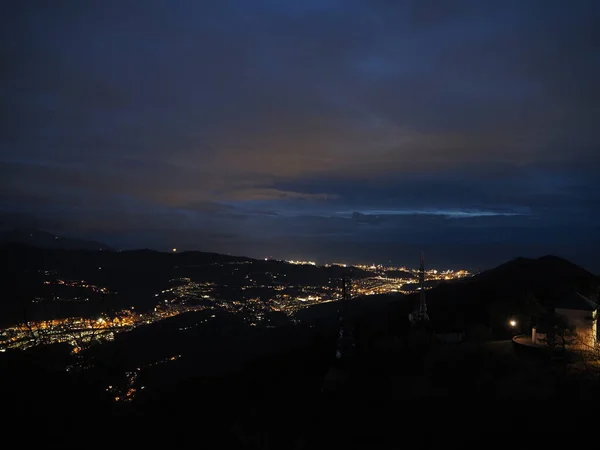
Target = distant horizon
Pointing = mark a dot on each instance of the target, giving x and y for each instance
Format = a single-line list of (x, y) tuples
[(431, 262)]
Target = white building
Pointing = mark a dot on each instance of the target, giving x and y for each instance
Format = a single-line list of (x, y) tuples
[(581, 313)]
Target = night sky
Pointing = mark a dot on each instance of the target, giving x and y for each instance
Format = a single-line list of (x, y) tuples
[(356, 131)]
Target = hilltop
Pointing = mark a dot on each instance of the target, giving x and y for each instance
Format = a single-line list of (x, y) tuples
[(512, 288), (541, 272)]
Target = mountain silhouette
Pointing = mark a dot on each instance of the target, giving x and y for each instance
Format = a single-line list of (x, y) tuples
[(43, 239), (541, 272), (514, 288)]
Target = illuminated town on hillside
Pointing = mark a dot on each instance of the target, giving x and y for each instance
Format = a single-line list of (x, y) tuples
[(254, 294)]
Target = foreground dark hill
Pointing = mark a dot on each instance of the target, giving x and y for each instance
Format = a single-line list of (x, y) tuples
[(518, 288), (375, 316)]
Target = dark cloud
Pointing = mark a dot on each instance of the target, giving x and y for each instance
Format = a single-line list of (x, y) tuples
[(249, 123)]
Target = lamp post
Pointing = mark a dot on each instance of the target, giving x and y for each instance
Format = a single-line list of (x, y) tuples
[(512, 323)]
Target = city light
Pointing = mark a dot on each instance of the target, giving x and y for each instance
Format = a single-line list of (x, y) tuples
[(187, 295), (310, 263), (513, 323)]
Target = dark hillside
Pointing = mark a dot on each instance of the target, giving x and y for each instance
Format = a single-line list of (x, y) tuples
[(515, 288)]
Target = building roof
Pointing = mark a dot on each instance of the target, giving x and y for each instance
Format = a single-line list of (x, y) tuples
[(576, 301)]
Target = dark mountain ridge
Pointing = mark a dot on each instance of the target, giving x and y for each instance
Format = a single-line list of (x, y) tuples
[(515, 288), (538, 271), (44, 239)]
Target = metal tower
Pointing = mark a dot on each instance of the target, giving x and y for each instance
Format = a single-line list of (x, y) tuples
[(422, 312), (346, 286), (344, 333)]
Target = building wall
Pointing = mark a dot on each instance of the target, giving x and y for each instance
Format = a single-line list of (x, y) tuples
[(595, 327)]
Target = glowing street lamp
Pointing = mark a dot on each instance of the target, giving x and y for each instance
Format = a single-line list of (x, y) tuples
[(513, 323)]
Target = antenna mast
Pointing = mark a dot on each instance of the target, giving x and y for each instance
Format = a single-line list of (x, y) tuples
[(422, 315)]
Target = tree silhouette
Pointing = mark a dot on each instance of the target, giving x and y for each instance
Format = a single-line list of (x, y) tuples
[(559, 333)]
